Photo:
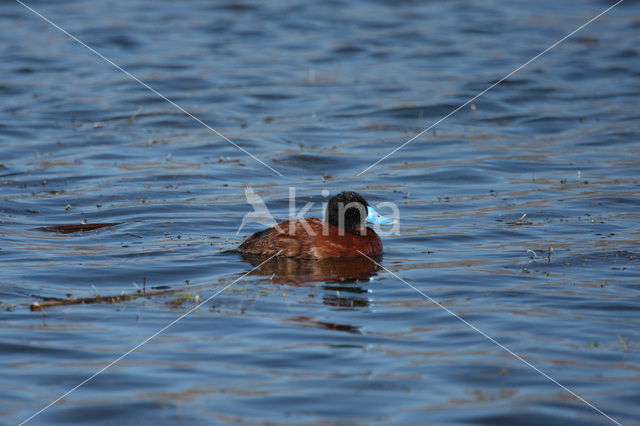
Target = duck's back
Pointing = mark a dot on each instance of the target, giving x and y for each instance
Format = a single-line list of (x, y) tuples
[(311, 239)]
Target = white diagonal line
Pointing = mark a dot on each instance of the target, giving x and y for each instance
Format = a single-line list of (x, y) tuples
[(494, 341), (150, 88), (64, 395), (492, 86)]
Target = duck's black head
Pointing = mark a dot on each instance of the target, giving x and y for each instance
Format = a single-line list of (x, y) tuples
[(347, 210)]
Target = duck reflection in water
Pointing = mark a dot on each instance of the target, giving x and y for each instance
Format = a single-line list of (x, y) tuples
[(299, 271), (343, 277)]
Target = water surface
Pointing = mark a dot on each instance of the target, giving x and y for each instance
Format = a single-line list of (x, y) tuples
[(319, 92)]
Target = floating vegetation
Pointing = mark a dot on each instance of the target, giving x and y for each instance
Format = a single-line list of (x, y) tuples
[(67, 229), (51, 301), (182, 298)]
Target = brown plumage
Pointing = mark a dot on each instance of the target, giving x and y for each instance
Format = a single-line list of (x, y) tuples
[(311, 238)]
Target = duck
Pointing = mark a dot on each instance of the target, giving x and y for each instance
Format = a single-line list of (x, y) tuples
[(344, 234)]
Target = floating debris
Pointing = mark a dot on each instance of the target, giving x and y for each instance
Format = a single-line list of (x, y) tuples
[(51, 302), (521, 221), (67, 229)]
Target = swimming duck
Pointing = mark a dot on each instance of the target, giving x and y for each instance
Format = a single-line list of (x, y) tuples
[(344, 234)]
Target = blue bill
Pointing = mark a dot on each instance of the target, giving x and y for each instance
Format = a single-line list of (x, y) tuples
[(375, 217)]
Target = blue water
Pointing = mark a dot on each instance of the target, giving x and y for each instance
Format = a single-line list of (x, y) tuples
[(319, 92)]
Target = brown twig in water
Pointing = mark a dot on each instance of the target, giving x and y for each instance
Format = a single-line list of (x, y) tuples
[(40, 306)]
